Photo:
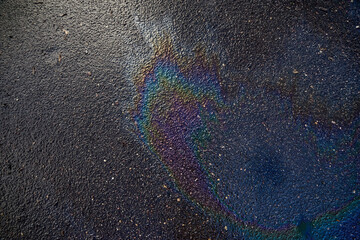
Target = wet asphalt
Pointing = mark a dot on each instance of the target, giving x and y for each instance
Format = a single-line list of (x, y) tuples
[(71, 165)]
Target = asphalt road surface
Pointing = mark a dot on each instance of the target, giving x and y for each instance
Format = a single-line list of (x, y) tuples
[(76, 164)]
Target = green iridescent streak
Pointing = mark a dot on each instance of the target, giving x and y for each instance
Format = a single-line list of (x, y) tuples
[(171, 80), (334, 219)]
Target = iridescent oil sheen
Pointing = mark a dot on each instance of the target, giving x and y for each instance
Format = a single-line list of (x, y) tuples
[(178, 99)]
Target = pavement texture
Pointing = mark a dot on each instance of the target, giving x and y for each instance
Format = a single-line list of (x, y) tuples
[(179, 119)]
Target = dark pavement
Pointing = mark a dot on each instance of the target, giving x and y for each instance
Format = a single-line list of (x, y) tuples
[(72, 166)]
